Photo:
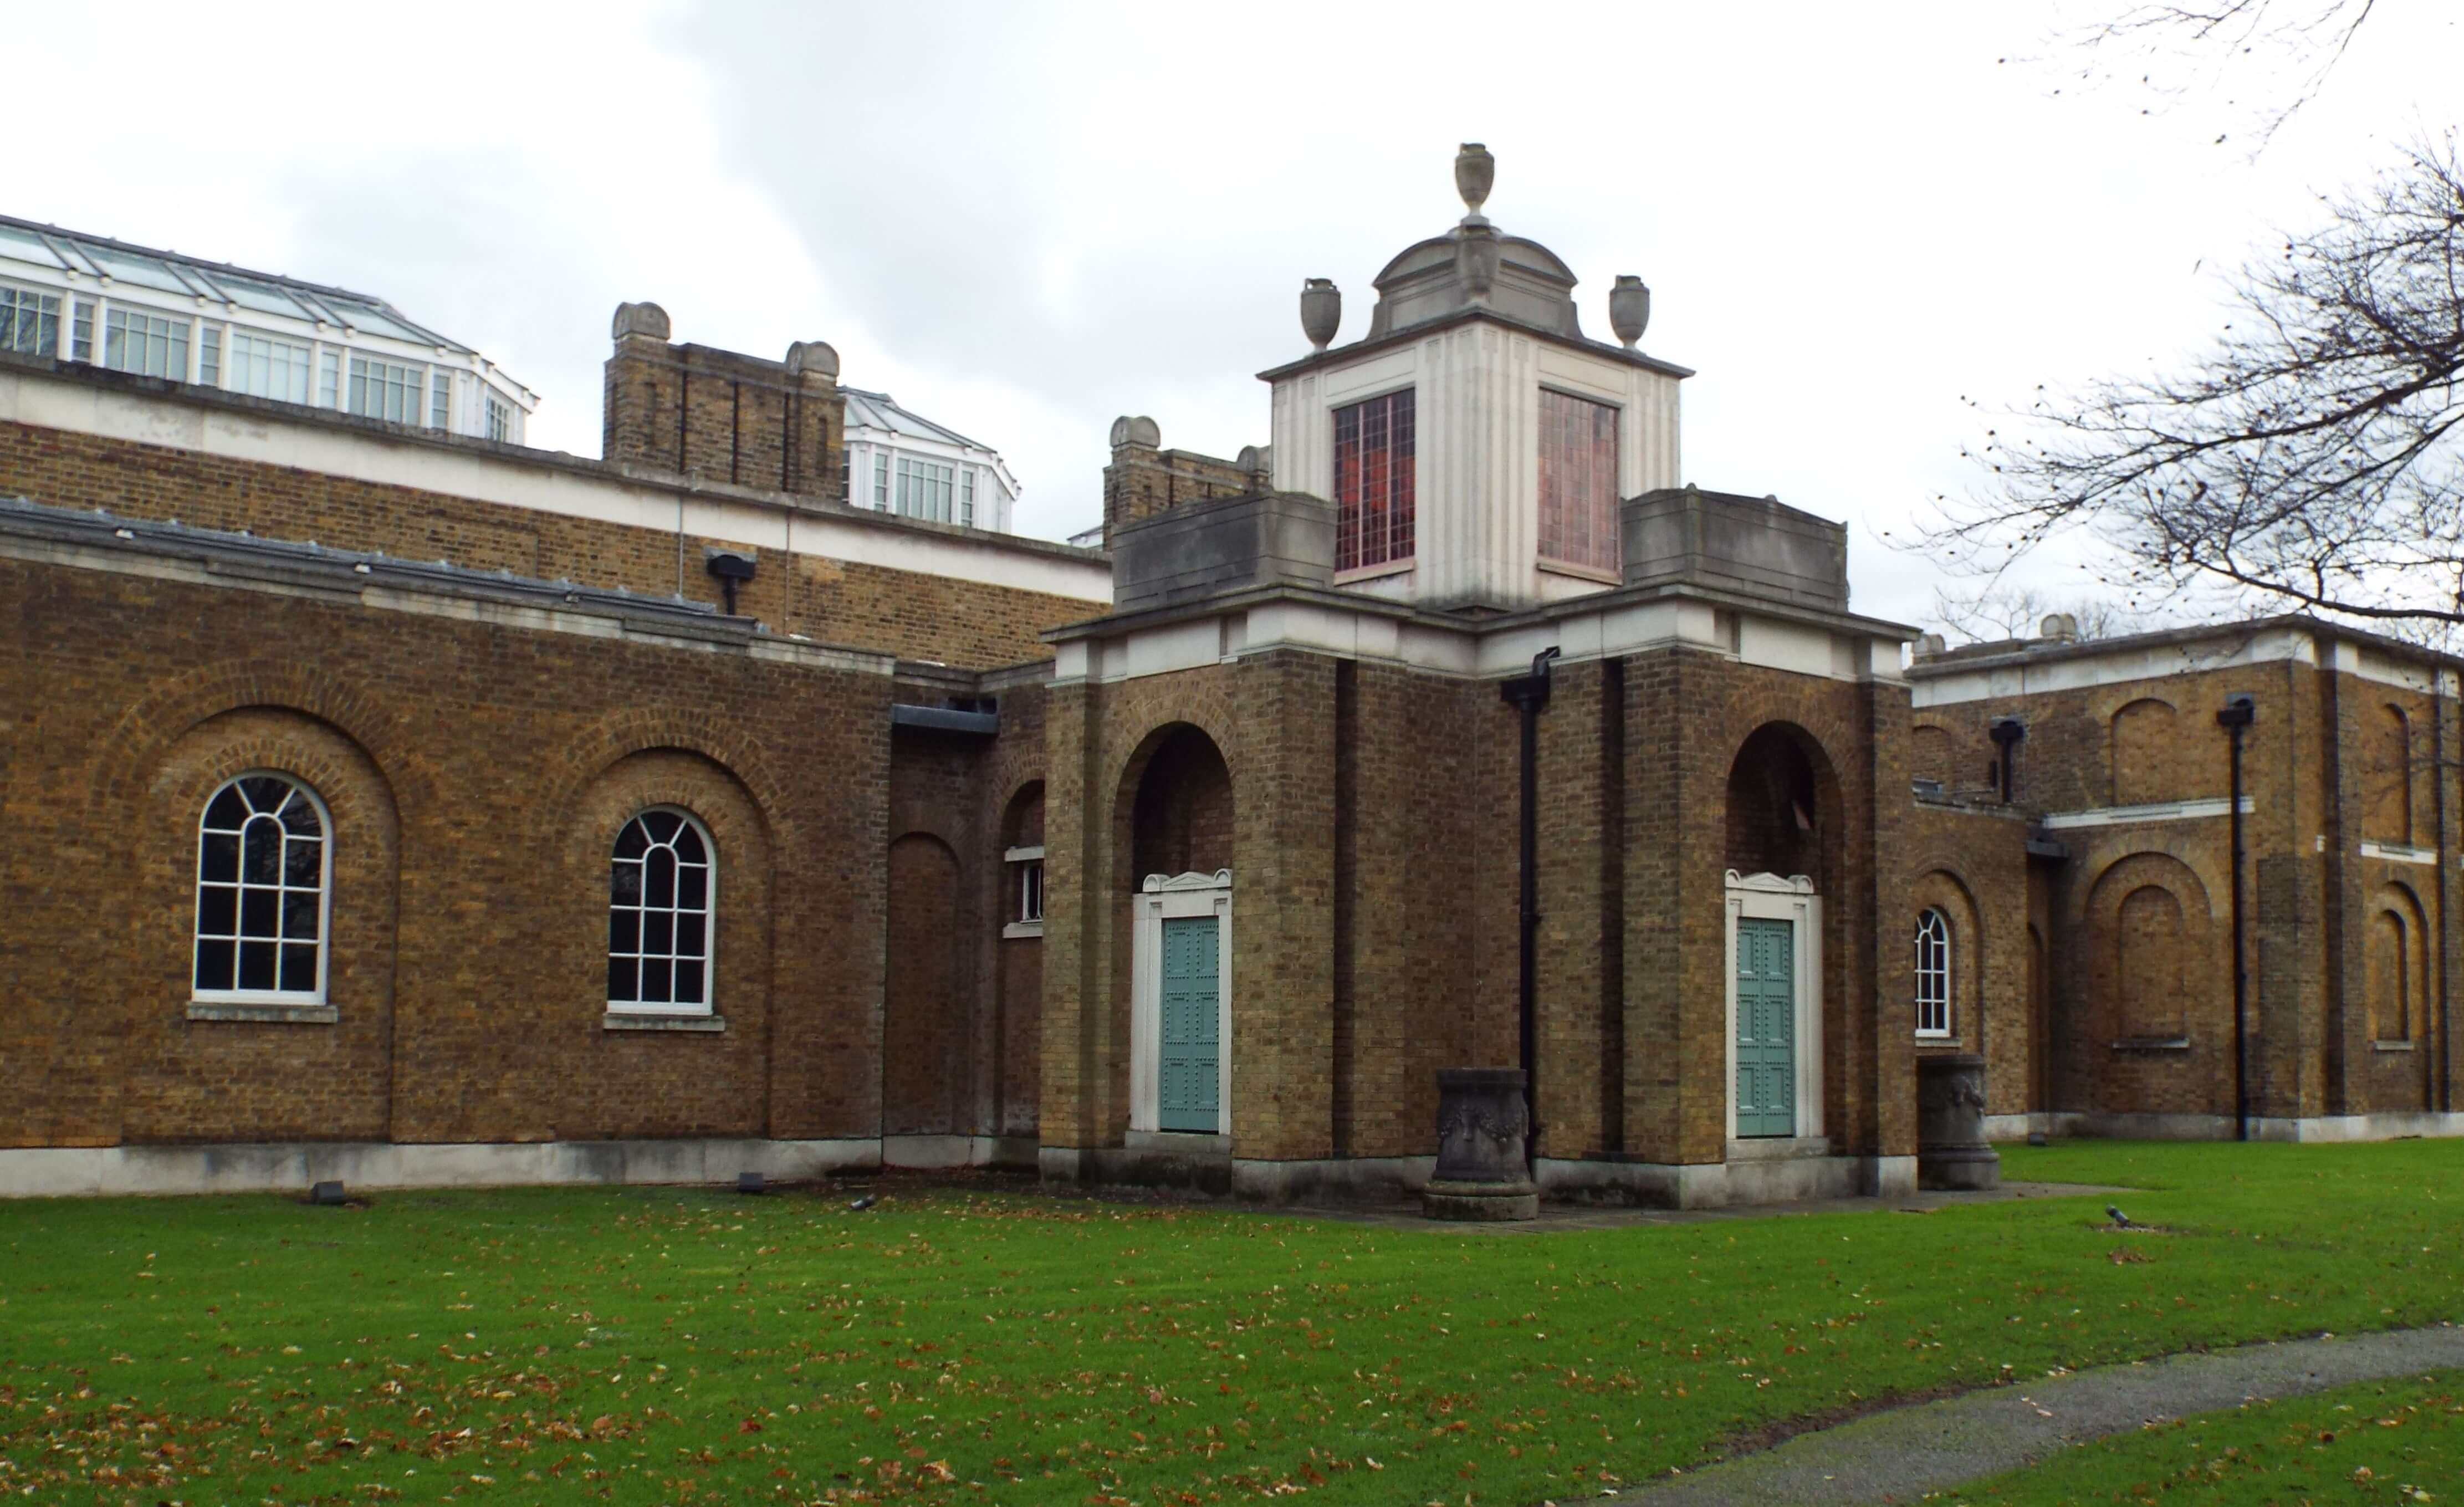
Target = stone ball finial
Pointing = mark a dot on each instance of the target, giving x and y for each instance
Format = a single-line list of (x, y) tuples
[(1629, 308), (1321, 311), (813, 358), (640, 319), (1475, 170), (1138, 429)]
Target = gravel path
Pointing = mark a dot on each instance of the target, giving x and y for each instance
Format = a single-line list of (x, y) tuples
[(1899, 1455)]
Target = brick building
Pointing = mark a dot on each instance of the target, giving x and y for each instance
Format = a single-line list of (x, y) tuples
[(409, 807)]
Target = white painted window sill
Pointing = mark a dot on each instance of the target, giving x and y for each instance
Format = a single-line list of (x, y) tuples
[(2390, 1046), (643, 1020), (1928, 1043), (2152, 1044), (264, 1013), (1017, 929)]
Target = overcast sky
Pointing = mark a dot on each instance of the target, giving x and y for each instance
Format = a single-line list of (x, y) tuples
[(1021, 221)]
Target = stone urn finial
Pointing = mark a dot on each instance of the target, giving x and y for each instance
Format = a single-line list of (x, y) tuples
[(1475, 170), (1629, 308), (1321, 311)]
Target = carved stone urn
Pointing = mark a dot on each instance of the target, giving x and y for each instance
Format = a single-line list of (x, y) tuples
[(1480, 1172), (1952, 1153), (1321, 311), (1629, 308), (1475, 169)]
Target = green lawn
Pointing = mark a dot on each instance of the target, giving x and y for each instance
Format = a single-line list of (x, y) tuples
[(2395, 1442), (648, 1345)]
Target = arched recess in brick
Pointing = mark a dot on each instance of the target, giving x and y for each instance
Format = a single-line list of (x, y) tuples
[(925, 1034), (240, 1081), (1942, 890), (1929, 755), (1783, 798), (135, 747), (2386, 776), (2144, 753), (2160, 1015), (1174, 813), (2399, 965), (644, 1084), (1020, 978)]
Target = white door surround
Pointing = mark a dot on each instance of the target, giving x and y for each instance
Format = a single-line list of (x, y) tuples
[(1159, 901), (1767, 897)]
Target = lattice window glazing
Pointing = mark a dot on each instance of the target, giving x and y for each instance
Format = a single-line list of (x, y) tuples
[(30, 320), (660, 891), (1578, 482), (1373, 481), (925, 490), (265, 367), (263, 882), (380, 389), (500, 419), (1933, 974), (147, 344)]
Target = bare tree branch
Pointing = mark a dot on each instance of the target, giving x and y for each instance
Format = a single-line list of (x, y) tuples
[(2312, 455), (2215, 39)]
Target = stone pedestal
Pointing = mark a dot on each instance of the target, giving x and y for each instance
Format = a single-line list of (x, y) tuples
[(1481, 1173), (1952, 1153)]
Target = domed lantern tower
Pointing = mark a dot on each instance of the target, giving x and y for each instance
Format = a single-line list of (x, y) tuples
[(1474, 442)]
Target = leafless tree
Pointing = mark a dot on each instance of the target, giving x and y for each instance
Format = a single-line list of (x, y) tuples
[(2310, 458), (2286, 47), (1994, 614)]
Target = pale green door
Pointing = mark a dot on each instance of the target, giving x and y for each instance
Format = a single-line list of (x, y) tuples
[(1766, 1028), (1187, 1088)]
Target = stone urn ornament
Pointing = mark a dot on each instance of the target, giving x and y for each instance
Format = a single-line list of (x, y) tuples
[(1321, 311), (1474, 172), (1481, 1174), (1952, 1153), (1629, 308)]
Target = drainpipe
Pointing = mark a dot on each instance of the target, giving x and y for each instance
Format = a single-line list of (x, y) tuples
[(2235, 719), (1529, 695), (2445, 1097), (2007, 734)]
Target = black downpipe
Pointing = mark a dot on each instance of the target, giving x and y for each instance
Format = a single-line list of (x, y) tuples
[(2235, 719), (1529, 695)]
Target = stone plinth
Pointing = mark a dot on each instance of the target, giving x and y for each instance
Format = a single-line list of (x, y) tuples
[(1952, 1153), (1482, 1172)]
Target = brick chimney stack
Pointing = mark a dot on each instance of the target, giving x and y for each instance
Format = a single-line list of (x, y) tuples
[(1144, 478), (720, 415)]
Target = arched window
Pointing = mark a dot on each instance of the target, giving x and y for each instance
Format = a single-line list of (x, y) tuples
[(1933, 973), (660, 890), (264, 878)]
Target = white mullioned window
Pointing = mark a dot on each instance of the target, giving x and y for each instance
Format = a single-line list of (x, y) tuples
[(30, 320), (264, 890), (382, 389), (329, 379), (265, 367), (440, 399), (210, 355), (1933, 973), (926, 489), (1025, 893), (500, 419), (881, 483), (81, 329), (662, 884), (967, 496), (147, 344)]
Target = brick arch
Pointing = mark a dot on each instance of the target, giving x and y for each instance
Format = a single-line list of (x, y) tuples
[(927, 1035), (570, 770), (1025, 800), (1209, 823), (1940, 885), (1206, 709), (164, 715), (2398, 964), (1930, 753), (1783, 790), (2157, 966)]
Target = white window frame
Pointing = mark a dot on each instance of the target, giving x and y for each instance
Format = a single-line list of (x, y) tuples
[(1767, 897), (183, 327), (235, 366), (708, 1005), (1934, 1012), (1027, 891), (1178, 898), (316, 996)]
